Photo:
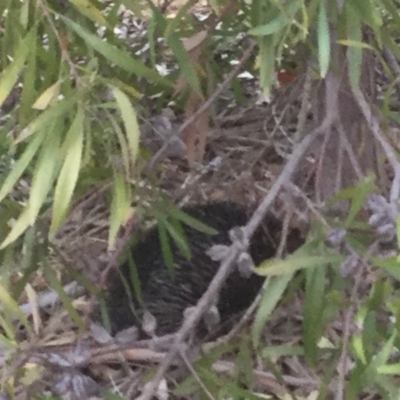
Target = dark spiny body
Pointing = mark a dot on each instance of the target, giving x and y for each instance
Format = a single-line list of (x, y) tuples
[(167, 296)]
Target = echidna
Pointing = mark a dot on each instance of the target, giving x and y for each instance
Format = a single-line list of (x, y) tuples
[(166, 296)]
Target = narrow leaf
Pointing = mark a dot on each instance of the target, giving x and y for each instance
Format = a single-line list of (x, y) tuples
[(184, 61), (43, 178), (273, 293), (179, 239), (57, 111), (115, 55), (193, 222), (47, 96), (23, 222), (165, 245), (267, 64), (10, 304), (356, 44), (354, 53), (279, 23), (57, 287), (69, 173), (130, 121), (44, 174), (120, 207), (9, 75), (86, 8), (293, 263), (313, 312), (21, 164), (367, 11), (324, 46)]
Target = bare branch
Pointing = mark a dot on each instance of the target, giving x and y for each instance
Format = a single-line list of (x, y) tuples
[(387, 148)]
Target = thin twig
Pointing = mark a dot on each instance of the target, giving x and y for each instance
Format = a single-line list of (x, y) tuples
[(305, 103), (387, 148), (196, 375), (350, 152), (318, 173), (374, 126), (391, 61), (62, 45), (339, 169), (312, 207)]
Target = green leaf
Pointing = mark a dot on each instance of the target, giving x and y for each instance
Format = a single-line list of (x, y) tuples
[(367, 11), (391, 265), (356, 44), (119, 57), (244, 362), (164, 243), (124, 148), (44, 174), (354, 53), (27, 264), (151, 34), (43, 178), (324, 45), (130, 122), (389, 91), (272, 295), (284, 19), (9, 340), (56, 286), (8, 303), (179, 238), (55, 113), (136, 7), (184, 61), (21, 164), (389, 369), (120, 206), (9, 75), (28, 86), (192, 222), (267, 63), (385, 353), (391, 8), (66, 182), (24, 15), (366, 375), (398, 230), (313, 312), (173, 23), (134, 281), (86, 8), (49, 95), (295, 262), (357, 195)]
